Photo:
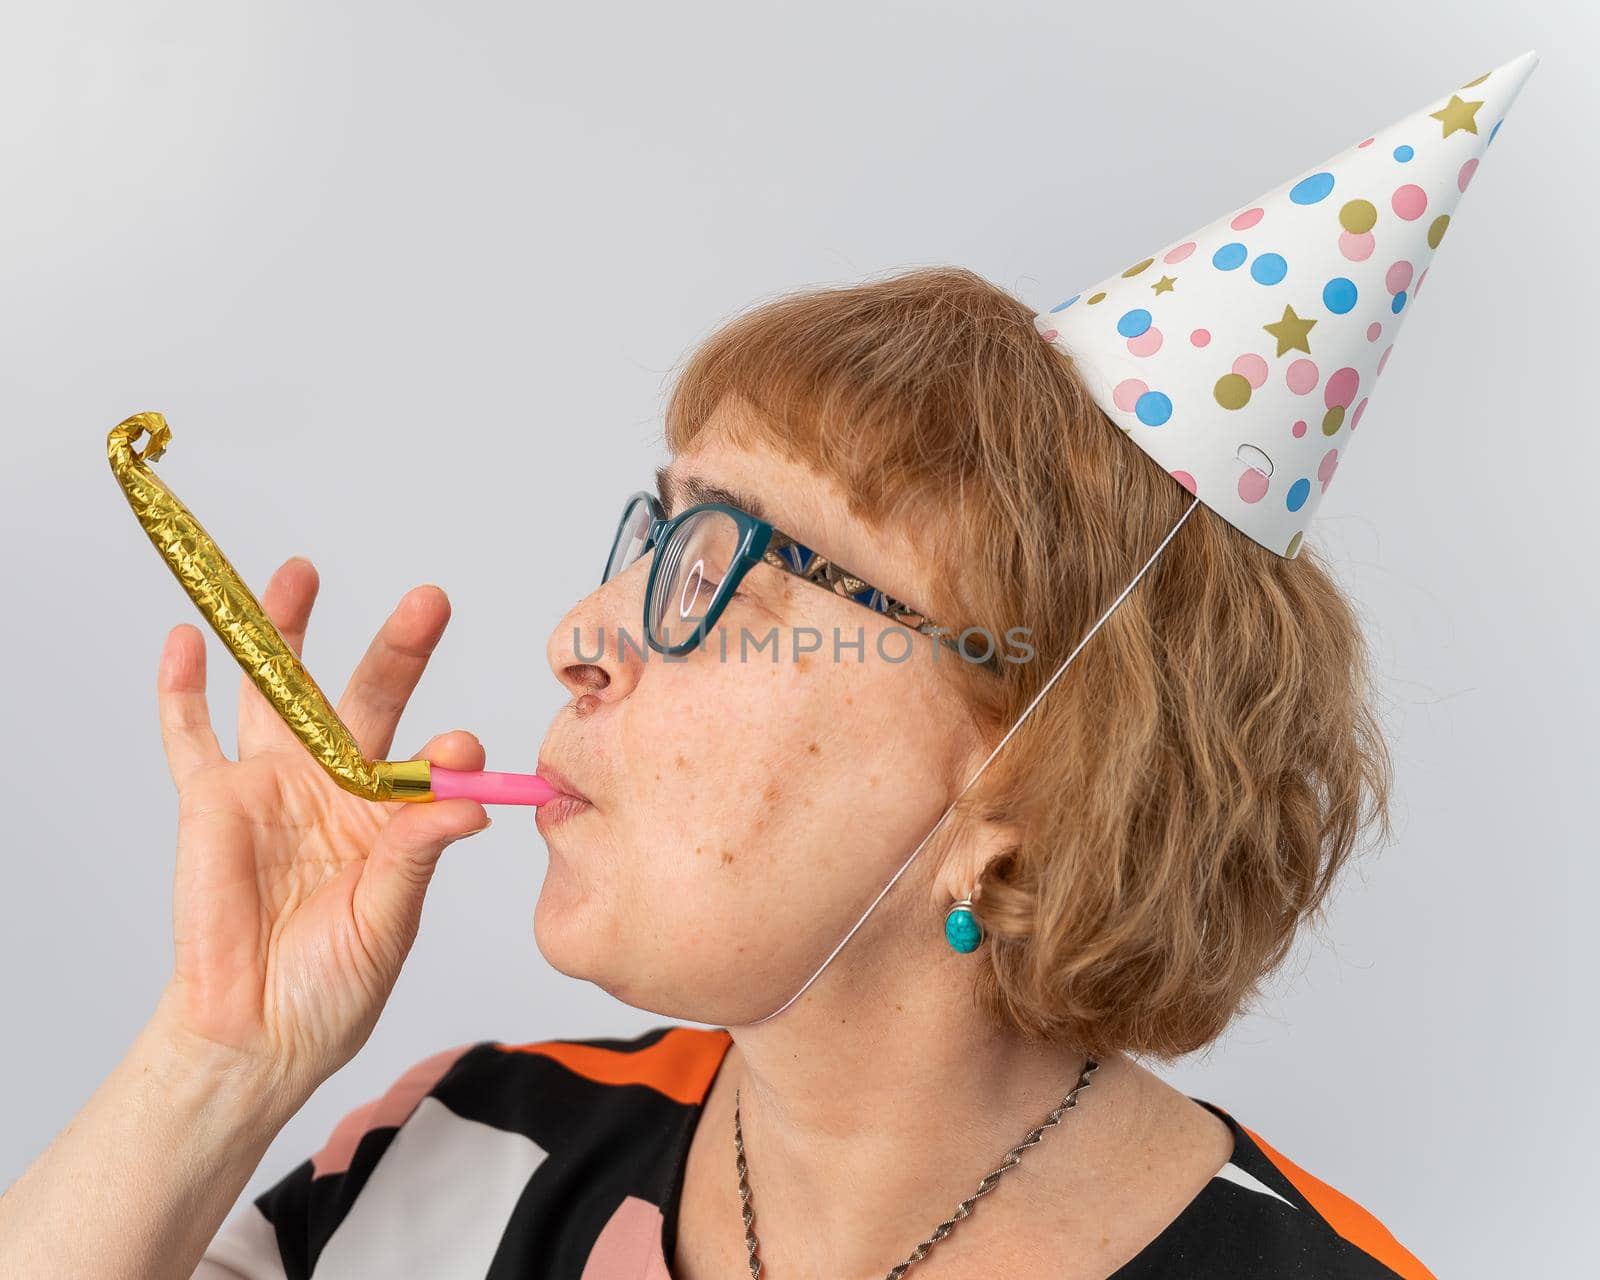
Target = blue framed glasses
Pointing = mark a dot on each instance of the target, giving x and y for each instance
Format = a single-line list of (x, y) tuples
[(704, 552)]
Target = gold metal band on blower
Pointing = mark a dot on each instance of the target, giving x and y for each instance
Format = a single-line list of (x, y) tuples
[(237, 617)]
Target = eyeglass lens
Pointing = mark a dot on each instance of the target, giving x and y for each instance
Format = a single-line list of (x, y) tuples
[(630, 538), (694, 562), (691, 566)]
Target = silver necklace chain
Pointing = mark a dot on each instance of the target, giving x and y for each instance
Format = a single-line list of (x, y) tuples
[(1013, 1157)]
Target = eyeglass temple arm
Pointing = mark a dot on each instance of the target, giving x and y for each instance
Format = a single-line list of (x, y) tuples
[(773, 555)]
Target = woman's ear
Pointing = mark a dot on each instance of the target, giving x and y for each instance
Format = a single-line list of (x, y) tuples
[(967, 858), (971, 840)]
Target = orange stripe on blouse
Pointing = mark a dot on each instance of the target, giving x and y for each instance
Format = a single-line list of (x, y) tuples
[(1346, 1217), (681, 1064)]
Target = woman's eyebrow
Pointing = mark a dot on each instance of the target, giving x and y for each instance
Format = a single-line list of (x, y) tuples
[(692, 490)]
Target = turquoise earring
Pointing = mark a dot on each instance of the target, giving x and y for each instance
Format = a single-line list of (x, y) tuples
[(961, 928)]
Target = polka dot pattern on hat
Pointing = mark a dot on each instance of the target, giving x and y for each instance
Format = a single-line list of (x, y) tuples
[(1242, 356)]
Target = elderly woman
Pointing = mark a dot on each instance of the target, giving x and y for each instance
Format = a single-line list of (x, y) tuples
[(748, 754)]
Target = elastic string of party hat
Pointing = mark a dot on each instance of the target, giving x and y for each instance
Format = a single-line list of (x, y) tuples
[(1026, 712)]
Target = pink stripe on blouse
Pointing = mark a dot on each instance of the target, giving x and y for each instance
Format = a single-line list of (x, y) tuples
[(389, 1111)]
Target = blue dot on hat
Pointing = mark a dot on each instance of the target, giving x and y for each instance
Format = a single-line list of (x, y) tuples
[(1299, 491), (1133, 323), (1268, 268), (1402, 153), (1399, 301), (1339, 295), (1062, 306), (1153, 408), (1310, 190), (1229, 256), (1494, 131)]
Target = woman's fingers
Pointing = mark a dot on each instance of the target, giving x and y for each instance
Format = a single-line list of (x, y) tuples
[(389, 670), (186, 730), (287, 601), (387, 902), (458, 749)]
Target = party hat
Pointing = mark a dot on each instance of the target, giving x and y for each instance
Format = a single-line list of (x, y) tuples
[(1242, 357)]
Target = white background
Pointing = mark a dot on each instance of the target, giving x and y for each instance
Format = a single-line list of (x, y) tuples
[(409, 282)]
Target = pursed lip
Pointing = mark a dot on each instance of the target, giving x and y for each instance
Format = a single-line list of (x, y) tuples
[(560, 782)]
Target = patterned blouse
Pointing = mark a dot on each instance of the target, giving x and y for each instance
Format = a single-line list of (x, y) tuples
[(564, 1160)]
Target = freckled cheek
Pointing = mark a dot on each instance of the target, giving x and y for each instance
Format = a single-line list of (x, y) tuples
[(741, 764), (693, 777), (724, 797), (701, 883), (736, 735)]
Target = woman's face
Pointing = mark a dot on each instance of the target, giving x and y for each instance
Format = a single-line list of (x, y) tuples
[(744, 812)]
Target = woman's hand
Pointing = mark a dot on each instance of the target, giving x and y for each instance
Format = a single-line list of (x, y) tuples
[(295, 902), (294, 907)]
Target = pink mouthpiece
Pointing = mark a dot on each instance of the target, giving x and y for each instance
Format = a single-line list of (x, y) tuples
[(489, 788)]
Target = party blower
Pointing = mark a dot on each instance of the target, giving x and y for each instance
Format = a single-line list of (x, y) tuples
[(237, 617)]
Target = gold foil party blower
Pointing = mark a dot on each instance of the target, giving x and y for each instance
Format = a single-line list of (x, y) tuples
[(265, 656)]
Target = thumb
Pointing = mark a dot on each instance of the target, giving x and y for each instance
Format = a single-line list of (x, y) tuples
[(388, 897)]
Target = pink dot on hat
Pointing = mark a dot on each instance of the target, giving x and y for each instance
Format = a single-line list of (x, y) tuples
[(1179, 253), (1467, 170), (1420, 279), (1375, 330), (1398, 277), (1384, 358), (1301, 377), (1201, 337), (1367, 143), (1253, 485), (1127, 392), (1341, 388), (1252, 368), (1247, 219), (1147, 343), (1185, 479), (1356, 247), (1299, 428), (1328, 465), (1049, 335), (1409, 202), (1356, 416)]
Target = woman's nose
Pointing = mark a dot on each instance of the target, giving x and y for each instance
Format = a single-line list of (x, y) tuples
[(594, 650)]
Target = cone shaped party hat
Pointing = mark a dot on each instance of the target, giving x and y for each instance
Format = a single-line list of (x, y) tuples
[(1242, 356)]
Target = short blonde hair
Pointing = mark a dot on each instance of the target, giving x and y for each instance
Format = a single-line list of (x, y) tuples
[(1191, 788)]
